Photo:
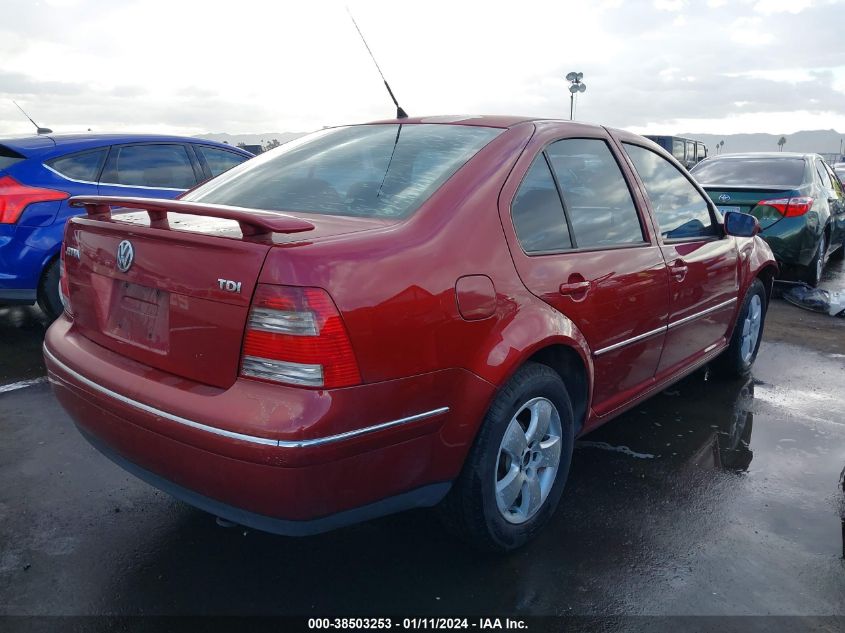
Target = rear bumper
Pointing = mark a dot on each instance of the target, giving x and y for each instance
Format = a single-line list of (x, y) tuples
[(420, 498), (292, 461), (24, 252)]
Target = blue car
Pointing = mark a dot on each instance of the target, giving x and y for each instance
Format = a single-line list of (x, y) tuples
[(39, 173)]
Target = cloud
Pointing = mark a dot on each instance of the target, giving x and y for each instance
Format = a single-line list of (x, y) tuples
[(298, 66), (18, 85), (669, 5), (768, 7)]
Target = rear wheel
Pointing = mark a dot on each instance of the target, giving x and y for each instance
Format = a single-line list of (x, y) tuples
[(515, 473), (736, 361), (48, 291), (816, 267)]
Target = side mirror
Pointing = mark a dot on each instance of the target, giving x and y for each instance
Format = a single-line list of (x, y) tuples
[(741, 224)]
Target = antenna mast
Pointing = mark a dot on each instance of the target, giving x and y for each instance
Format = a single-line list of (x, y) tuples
[(40, 130), (400, 113)]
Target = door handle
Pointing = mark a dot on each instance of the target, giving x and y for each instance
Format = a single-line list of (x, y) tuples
[(575, 287), (678, 270)]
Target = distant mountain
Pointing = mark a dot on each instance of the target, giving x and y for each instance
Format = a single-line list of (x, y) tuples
[(251, 139), (818, 141)]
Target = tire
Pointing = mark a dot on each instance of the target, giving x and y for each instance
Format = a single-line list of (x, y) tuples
[(473, 510), (48, 291), (737, 359), (813, 274)]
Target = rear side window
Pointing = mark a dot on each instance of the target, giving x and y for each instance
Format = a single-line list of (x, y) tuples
[(834, 178), (597, 199), (9, 157), (219, 160), (160, 166), (80, 166), (690, 151), (824, 177), (537, 212), (781, 172), (680, 210), (365, 170)]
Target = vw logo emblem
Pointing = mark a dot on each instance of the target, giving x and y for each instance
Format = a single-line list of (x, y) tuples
[(125, 256), (724, 197)]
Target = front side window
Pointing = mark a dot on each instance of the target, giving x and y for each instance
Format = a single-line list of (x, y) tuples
[(80, 166), (160, 166), (374, 171), (681, 211), (701, 151), (537, 212), (596, 197)]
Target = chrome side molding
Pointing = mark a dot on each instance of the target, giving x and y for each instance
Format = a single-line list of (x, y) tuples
[(664, 329)]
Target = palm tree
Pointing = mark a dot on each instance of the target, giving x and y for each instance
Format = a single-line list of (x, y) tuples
[(781, 142)]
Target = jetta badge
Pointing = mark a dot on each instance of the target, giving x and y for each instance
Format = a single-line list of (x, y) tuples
[(724, 197), (125, 256)]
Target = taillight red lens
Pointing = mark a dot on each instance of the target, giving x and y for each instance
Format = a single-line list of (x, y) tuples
[(789, 207), (296, 336), (15, 197)]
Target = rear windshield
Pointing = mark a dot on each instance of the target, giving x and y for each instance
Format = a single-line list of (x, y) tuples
[(786, 172), (8, 157), (366, 170)]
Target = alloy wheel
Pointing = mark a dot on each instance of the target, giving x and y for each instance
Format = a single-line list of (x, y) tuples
[(751, 327), (528, 461)]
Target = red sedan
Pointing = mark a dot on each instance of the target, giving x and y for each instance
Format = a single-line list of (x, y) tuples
[(400, 314)]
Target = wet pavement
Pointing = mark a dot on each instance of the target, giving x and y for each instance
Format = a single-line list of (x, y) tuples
[(713, 498)]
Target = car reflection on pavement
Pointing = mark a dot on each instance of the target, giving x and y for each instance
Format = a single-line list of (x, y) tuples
[(700, 422)]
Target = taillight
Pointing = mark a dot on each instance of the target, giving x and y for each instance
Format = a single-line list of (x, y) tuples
[(789, 207), (15, 197), (296, 336)]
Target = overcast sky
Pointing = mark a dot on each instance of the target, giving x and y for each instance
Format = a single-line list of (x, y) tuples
[(188, 67)]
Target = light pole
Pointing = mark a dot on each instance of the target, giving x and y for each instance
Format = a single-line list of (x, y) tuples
[(575, 86)]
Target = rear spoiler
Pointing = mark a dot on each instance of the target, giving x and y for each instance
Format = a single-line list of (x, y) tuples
[(251, 222)]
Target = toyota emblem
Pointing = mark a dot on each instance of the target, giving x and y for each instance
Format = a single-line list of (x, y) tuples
[(724, 197), (125, 256)]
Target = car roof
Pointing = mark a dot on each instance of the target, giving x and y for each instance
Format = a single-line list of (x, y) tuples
[(58, 144), (482, 120), (763, 155), (509, 121)]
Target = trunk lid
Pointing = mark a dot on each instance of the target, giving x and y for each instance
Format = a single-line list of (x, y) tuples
[(745, 199), (182, 303)]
